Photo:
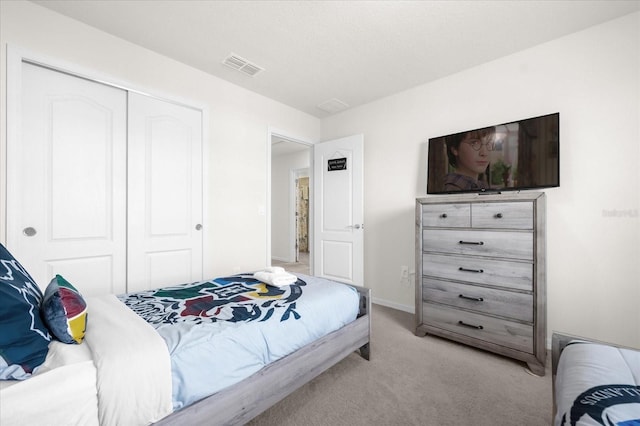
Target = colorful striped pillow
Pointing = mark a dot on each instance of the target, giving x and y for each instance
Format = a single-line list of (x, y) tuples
[(64, 311)]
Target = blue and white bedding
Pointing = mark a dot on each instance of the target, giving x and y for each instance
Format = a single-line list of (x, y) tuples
[(597, 384), (194, 340), (220, 332)]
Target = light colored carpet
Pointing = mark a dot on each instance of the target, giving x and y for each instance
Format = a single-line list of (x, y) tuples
[(414, 380), (301, 266)]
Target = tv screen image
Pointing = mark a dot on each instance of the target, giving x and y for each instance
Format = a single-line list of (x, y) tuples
[(522, 154)]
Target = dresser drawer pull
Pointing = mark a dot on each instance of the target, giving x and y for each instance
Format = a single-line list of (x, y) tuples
[(498, 216), (479, 271), (473, 243), (475, 299), (443, 216), (477, 327)]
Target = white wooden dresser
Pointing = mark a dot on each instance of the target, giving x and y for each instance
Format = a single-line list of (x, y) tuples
[(480, 272)]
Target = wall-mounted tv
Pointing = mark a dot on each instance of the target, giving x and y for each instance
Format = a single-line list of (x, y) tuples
[(523, 154)]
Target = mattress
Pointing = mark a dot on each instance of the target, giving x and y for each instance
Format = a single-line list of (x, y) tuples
[(220, 332), (598, 385)]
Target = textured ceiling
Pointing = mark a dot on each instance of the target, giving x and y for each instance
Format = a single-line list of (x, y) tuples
[(353, 51)]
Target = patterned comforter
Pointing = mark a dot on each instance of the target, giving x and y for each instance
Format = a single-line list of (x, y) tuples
[(221, 331)]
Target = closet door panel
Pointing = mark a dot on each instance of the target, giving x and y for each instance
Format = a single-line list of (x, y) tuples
[(164, 193), (67, 179)]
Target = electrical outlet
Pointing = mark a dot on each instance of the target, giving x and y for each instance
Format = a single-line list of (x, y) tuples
[(404, 272), (404, 275)]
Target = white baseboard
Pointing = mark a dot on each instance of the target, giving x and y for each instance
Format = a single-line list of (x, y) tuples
[(394, 305)]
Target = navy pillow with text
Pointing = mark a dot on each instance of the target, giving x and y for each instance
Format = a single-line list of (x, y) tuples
[(24, 338)]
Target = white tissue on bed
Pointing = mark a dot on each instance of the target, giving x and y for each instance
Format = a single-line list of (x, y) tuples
[(277, 279)]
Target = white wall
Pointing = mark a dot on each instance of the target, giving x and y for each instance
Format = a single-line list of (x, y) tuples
[(593, 79), (282, 202), (239, 122)]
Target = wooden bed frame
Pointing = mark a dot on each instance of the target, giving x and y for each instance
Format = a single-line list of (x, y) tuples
[(560, 340), (243, 401)]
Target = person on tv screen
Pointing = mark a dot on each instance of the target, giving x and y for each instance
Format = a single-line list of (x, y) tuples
[(468, 155)]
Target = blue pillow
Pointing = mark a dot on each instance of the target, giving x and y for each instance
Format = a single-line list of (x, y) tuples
[(24, 340)]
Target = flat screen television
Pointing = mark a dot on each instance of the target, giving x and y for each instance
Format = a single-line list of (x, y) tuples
[(523, 154)]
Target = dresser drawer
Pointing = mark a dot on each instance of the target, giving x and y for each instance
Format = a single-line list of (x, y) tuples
[(518, 306), (501, 332), (502, 273), (447, 215), (502, 215), (504, 244)]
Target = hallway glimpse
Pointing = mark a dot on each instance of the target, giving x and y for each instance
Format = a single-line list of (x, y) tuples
[(301, 266)]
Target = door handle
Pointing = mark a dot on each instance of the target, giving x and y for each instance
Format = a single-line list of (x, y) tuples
[(356, 226), (29, 231)]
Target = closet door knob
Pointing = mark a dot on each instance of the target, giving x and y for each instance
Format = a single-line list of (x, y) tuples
[(198, 227), (29, 231)]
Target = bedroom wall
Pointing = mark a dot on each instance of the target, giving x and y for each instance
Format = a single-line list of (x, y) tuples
[(593, 249), (239, 122)]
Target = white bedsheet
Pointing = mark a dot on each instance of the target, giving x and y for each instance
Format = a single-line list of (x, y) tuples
[(61, 392), (134, 389), (120, 375)]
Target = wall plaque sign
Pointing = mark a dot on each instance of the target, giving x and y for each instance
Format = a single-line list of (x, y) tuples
[(337, 164)]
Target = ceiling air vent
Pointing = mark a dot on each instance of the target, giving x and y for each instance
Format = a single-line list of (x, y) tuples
[(240, 64), (333, 105)]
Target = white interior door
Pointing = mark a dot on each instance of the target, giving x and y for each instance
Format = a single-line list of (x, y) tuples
[(338, 210), (66, 197), (165, 194)]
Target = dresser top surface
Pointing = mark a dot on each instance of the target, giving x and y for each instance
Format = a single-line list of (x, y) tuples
[(485, 197)]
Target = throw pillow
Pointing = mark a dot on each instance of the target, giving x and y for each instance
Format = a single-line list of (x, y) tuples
[(64, 311), (24, 340)]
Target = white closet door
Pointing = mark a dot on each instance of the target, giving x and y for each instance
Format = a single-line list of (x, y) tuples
[(66, 181), (165, 194)]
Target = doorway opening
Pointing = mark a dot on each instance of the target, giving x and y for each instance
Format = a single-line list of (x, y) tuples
[(290, 200)]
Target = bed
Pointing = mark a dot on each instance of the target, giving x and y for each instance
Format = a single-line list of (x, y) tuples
[(182, 354), (594, 383)]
